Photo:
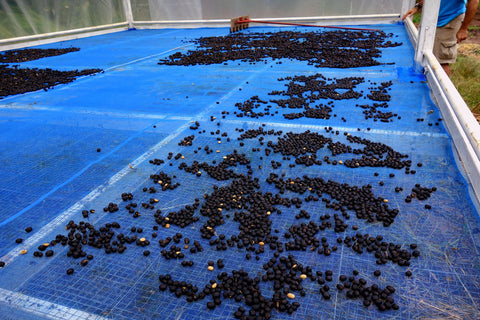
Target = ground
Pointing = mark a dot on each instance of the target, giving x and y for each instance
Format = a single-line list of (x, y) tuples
[(474, 32), (471, 46)]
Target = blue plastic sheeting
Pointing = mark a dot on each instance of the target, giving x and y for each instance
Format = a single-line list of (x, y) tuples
[(138, 110)]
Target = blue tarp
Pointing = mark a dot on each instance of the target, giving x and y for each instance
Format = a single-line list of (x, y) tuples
[(138, 110)]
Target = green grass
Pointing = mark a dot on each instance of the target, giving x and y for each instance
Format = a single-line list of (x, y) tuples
[(465, 74), (416, 18)]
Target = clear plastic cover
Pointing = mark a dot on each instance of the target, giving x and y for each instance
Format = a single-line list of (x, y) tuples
[(155, 10), (29, 17)]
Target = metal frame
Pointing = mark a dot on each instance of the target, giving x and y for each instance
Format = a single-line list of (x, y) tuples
[(127, 6), (459, 120), (426, 34), (411, 31)]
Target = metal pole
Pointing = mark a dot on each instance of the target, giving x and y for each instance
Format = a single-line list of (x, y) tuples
[(127, 5), (426, 33)]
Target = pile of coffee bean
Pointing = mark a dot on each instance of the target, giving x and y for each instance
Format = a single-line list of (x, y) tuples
[(359, 199), (376, 154), (23, 55), (420, 193), (187, 141), (285, 275), (162, 179), (15, 80), (383, 251), (296, 144), (84, 234), (253, 133), (304, 145), (303, 92), (373, 112), (182, 218), (218, 172), (333, 49), (380, 93), (156, 161), (355, 288)]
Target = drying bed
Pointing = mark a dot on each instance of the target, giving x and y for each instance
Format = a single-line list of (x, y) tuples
[(268, 187)]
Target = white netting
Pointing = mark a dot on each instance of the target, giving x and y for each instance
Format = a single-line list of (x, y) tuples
[(29, 17), (154, 10)]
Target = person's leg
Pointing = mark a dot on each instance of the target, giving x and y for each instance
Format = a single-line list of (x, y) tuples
[(446, 68), (445, 45)]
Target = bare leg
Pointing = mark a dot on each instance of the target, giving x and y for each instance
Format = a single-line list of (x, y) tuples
[(446, 68)]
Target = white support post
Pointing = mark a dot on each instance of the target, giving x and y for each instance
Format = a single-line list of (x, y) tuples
[(426, 34), (127, 5)]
